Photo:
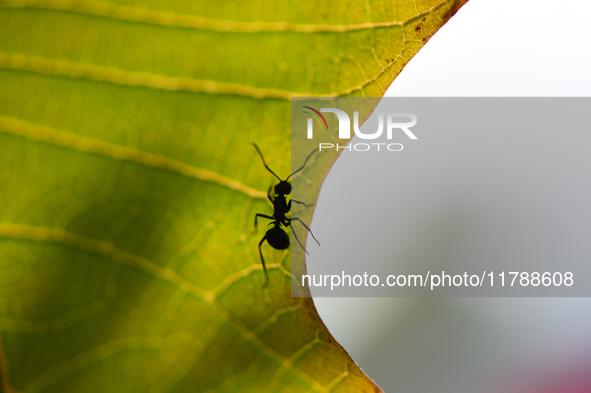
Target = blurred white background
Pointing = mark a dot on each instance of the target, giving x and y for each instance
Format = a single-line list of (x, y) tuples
[(490, 48)]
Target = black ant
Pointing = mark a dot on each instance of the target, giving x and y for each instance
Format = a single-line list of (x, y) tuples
[(276, 236)]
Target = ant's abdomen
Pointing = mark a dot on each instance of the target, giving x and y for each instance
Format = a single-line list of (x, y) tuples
[(278, 238)]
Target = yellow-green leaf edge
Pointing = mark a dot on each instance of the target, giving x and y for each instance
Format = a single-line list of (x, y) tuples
[(128, 187)]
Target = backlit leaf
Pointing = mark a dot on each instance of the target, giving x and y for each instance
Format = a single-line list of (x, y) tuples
[(129, 185)]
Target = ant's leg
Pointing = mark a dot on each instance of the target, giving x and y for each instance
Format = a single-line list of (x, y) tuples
[(305, 226), (269, 194), (300, 203), (260, 215), (263, 261), (299, 242)]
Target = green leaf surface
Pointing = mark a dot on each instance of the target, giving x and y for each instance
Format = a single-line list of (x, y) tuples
[(129, 185)]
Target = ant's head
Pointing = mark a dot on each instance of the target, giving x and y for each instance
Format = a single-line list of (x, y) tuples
[(283, 187)]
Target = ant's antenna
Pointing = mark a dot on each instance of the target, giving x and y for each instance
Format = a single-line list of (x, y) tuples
[(313, 151), (264, 163)]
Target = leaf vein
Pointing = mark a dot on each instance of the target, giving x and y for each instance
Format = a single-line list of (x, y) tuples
[(164, 18), (125, 153), (56, 235), (71, 69)]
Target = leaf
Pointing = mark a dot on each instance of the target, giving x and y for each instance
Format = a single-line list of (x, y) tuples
[(128, 187)]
